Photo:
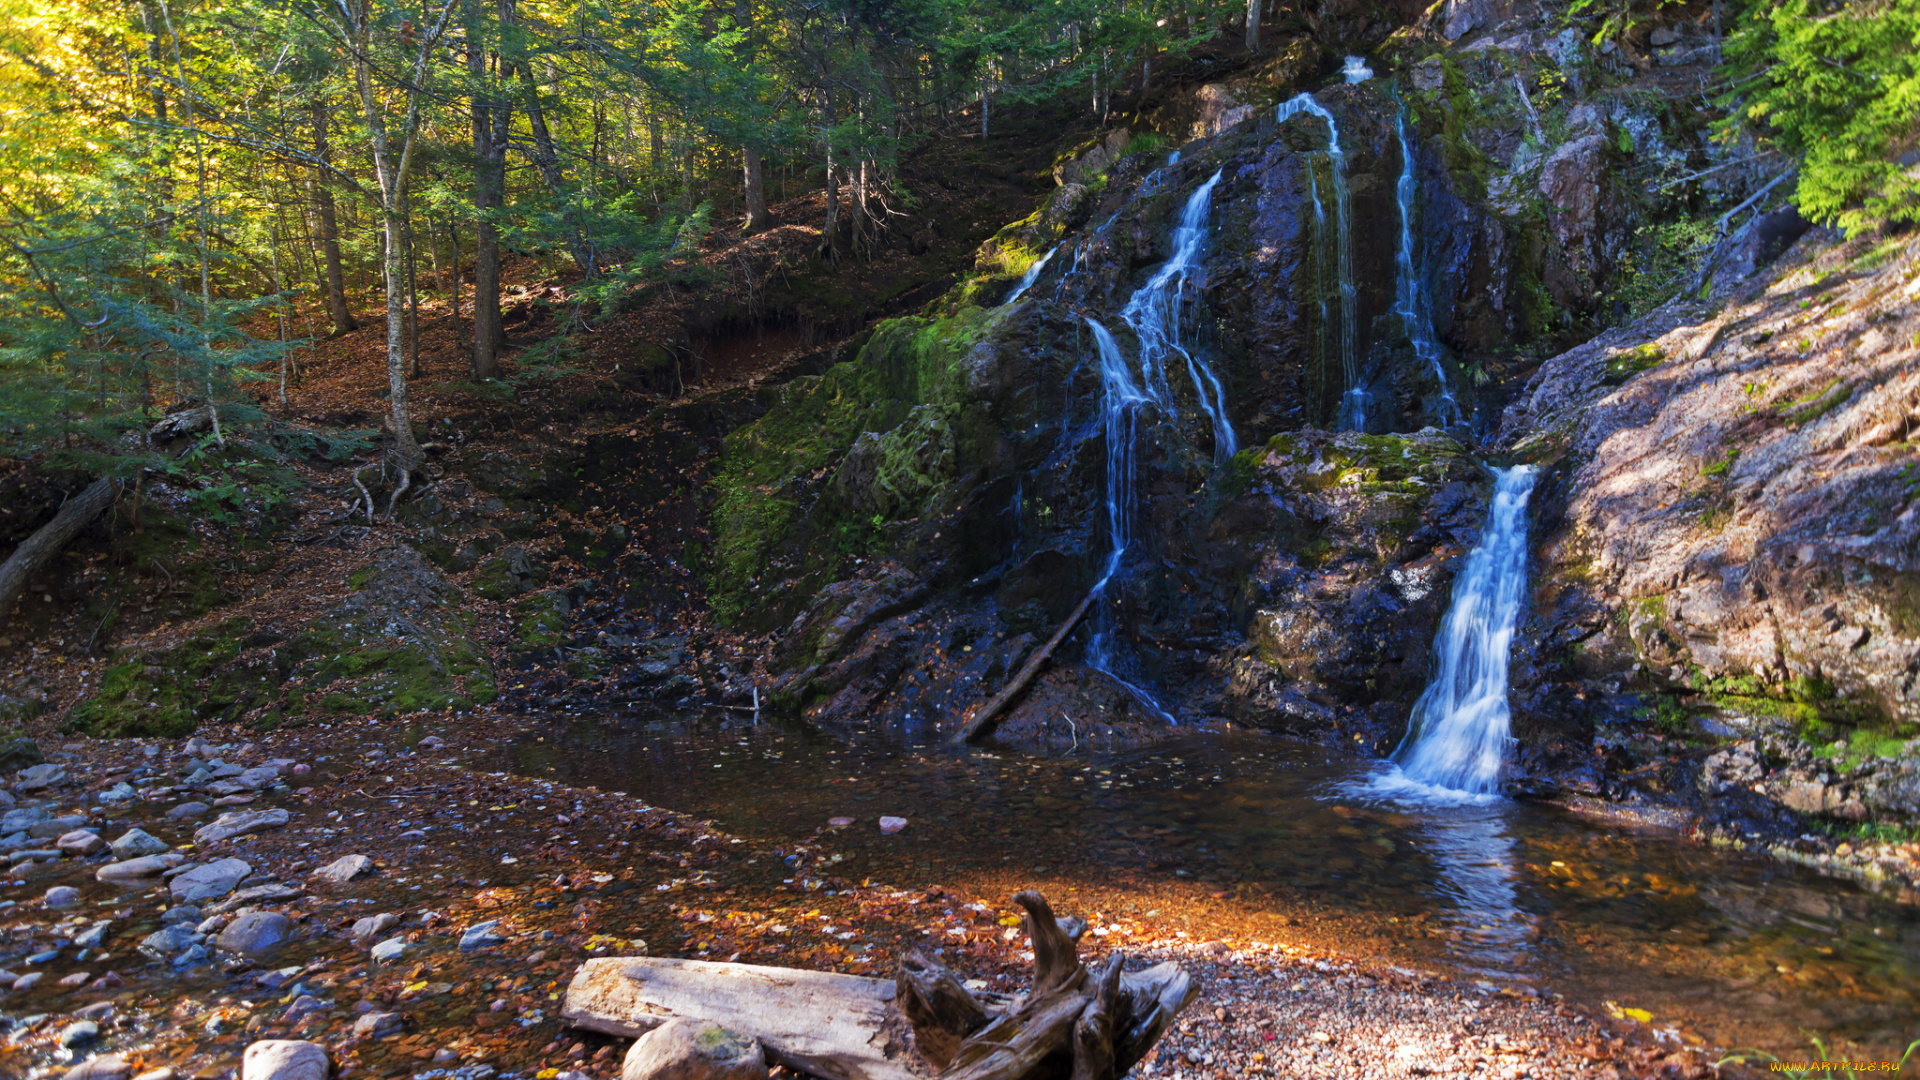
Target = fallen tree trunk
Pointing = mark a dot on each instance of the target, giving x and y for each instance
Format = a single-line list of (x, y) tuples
[(982, 720), (841, 1027), (33, 553), (1075, 1024)]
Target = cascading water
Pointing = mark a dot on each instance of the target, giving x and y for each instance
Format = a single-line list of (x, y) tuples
[(1356, 70), (1154, 314), (1353, 400), (1410, 298), (1457, 740), (1032, 275)]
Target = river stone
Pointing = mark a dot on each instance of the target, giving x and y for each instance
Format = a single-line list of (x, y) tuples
[(63, 896), (377, 1025), (188, 809), (256, 894), (78, 1033), (40, 777), (284, 1059), (481, 935), (28, 981), (36, 855), (688, 1049), (104, 1067), (239, 823), (91, 937), (137, 842), (365, 930), (256, 933), (19, 821), (168, 940), (6, 799), (390, 950), (209, 882), (181, 913), (256, 778), (343, 869), (54, 828), (892, 824), (145, 866), (121, 792), (80, 843)]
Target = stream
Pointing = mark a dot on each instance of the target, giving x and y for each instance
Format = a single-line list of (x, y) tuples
[(1255, 836)]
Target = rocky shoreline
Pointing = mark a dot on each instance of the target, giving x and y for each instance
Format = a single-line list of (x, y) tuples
[(409, 916)]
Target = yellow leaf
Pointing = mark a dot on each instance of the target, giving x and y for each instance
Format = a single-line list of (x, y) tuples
[(1011, 920)]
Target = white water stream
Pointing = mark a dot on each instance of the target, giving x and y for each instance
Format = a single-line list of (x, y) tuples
[(1032, 275), (1411, 298), (1457, 740), (1353, 400)]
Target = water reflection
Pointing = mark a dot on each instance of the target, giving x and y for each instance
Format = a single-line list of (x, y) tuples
[(1746, 950)]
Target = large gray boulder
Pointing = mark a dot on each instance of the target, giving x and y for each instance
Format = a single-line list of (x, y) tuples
[(256, 933), (285, 1059)]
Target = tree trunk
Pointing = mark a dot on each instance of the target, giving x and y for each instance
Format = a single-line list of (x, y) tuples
[(491, 122), (1253, 27), (758, 220), (546, 158), (343, 320), (49, 539), (832, 223)]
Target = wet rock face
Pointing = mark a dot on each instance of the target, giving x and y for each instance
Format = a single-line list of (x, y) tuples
[(1728, 525)]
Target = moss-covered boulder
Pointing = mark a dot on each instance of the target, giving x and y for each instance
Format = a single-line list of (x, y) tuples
[(166, 692)]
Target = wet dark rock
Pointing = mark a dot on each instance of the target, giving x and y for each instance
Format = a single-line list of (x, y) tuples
[(18, 752), (39, 778), (481, 936), (79, 1033), (52, 828), (62, 896), (256, 933)]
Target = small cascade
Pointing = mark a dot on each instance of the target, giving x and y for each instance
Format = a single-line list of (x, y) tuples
[(1032, 275), (1410, 297), (1353, 400), (1154, 314), (1356, 70), (1457, 740)]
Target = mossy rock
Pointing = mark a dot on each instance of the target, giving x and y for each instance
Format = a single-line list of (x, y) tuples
[(588, 663), (18, 752), (540, 621), (511, 573)]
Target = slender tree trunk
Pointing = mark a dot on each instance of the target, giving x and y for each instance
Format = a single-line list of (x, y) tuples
[(491, 121), (413, 308), (831, 227), (758, 220), (546, 158), (1253, 27), (322, 192)]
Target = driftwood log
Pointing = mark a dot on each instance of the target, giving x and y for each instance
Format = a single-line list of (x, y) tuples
[(1075, 1024)]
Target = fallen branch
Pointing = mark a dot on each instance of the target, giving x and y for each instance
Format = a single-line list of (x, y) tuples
[(47, 541), (983, 719)]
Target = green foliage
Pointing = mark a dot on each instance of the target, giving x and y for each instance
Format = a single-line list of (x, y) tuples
[(1837, 84), (1661, 258)]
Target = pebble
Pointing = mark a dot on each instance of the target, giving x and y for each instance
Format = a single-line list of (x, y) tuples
[(285, 1059), (481, 935), (165, 1072), (233, 800), (188, 809), (182, 913), (135, 843), (840, 821), (256, 933), (80, 843), (63, 896), (29, 981), (91, 937), (343, 869), (892, 824), (303, 1005), (78, 978), (121, 792), (78, 1033)]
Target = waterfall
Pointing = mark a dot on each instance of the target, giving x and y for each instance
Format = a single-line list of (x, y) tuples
[(1032, 275), (1356, 70), (1353, 401), (1154, 314), (1457, 740), (1410, 297)]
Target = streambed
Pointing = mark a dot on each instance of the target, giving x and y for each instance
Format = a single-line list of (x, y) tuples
[(1257, 838)]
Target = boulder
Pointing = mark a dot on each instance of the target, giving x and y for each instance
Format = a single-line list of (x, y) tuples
[(683, 1049), (239, 823), (19, 821), (18, 753), (285, 1059), (63, 896), (256, 933), (210, 882), (135, 843)]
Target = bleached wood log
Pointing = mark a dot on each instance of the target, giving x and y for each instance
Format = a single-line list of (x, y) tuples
[(841, 1027)]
